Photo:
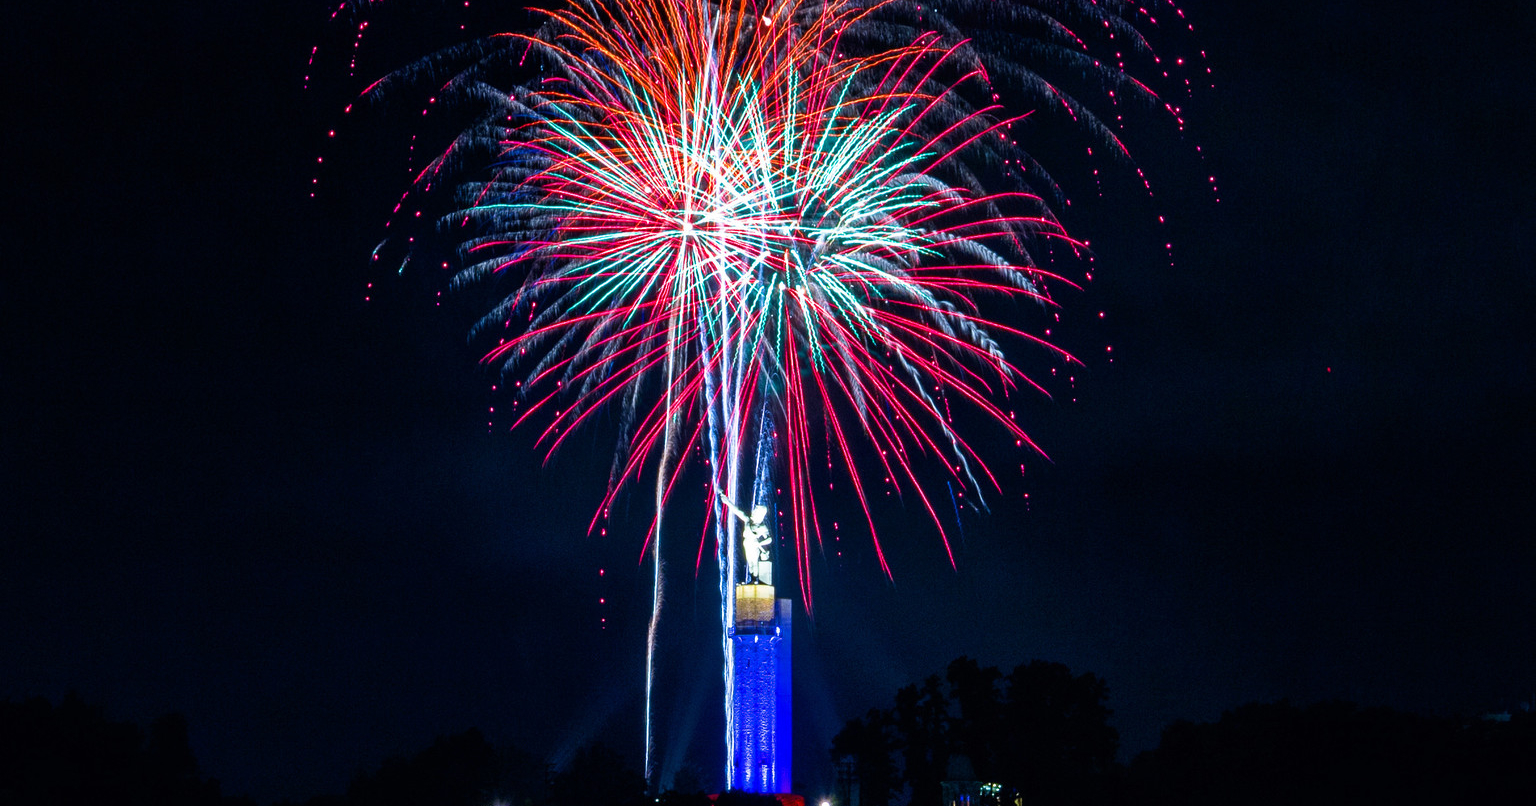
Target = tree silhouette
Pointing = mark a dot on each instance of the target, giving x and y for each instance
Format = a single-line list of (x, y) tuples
[(977, 729), (1040, 732), (1056, 745), (687, 788), (463, 769), (869, 742), (457, 770), (921, 722), (598, 776), (1335, 752), (72, 754)]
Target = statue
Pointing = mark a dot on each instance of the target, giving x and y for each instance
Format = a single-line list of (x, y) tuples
[(755, 542)]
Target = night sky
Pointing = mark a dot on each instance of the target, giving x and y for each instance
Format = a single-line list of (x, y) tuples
[(233, 488)]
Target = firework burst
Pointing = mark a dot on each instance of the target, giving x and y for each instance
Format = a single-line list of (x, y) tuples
[(716, 218), (766, 232)]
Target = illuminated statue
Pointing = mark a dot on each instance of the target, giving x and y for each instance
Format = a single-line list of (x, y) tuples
[(755, 542)]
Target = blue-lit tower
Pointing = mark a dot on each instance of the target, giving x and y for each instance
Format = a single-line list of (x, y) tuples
[(760, 695), (758, 733)]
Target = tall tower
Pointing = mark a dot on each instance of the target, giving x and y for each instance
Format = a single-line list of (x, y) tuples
[(759, 734), (760, 695)]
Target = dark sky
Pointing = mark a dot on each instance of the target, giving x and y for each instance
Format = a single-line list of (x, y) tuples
[(232, 488)]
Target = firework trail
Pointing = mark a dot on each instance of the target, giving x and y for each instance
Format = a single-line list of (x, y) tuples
[(760, 230)]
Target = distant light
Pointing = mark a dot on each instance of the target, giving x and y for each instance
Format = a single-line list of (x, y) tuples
[(826, 803)]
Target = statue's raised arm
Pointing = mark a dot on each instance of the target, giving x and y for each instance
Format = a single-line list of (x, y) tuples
[(732, 507)]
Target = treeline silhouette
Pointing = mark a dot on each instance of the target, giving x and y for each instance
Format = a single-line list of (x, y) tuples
[(72, 755), (1337, 752), (465, 770), (1038, 732), (1042, 736)]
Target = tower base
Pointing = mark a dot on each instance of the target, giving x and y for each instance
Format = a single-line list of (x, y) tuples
[(761, 693)]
